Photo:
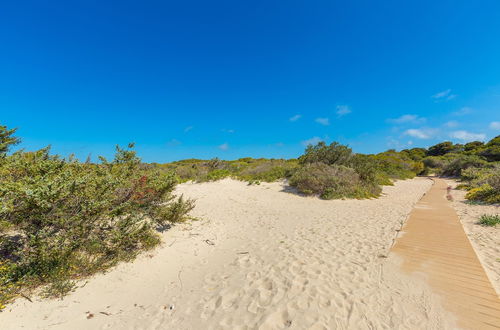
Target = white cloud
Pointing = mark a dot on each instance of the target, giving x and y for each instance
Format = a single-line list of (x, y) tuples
[(451, 123), (444, 95), (174, 142), (414, 119), (423, 133), (495, 125), (187, 129), (463, 111), (313, 141), (467, 136), (295, 118), (323, 121), (343, 110), (224, 146)]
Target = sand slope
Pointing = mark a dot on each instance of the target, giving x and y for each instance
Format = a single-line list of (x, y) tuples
[(260, 258)]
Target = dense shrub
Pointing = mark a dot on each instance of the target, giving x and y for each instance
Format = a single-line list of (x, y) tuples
[(331, 181), (434, 163), (333, 154), (473, 146), (63, 219), (441, 149), (397, 165), (462, 162), (7, 139), (491, 151), (416, 154), (246, 169), (484, 193), (268, 170)]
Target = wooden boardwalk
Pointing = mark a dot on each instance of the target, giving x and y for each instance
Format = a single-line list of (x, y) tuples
[(433, 242)]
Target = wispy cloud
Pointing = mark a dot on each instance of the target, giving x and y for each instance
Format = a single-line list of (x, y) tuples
[(445, 95), (174, 142), (422, 133), (230, 131), (343, 110), (495, 125), (187, 129), (467, 136), (313, 141), (224, 146), (451, 123), (295, 118), (407, 119), (323, 121), (463, 111)]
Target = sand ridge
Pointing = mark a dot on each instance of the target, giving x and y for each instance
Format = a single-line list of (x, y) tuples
[(260, 258)]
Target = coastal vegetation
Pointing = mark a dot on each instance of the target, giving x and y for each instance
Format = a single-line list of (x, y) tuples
[(335, 171), (61, 219), (475, 164), (489, 220)]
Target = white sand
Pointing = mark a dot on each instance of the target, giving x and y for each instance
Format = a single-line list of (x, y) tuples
[(261, 258), (485, 240)]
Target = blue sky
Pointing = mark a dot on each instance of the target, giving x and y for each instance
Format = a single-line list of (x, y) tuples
[(201, 79)]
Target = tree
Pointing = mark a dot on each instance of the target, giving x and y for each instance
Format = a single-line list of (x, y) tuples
[(415, 153), (441, 149), (491, 150), (7, 139), (471, 146), (335, 153)]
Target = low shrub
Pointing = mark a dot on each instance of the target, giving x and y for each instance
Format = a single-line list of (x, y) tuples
[(485, 193), (63, 219), (217, 174), (489, 220), (329, 182), (333, 154), (397, 165), (268, 170), (461, 163)]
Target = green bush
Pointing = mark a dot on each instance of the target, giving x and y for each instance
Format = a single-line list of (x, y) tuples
[(329, 182), (485, 193), (489, 220), (491, 150), (462, 162), (441, 149), (63, 219), (217, 174), (268, 170), (397, 165), (333, 154)]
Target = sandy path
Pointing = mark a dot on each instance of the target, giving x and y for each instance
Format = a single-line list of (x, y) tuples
[(261, 258)]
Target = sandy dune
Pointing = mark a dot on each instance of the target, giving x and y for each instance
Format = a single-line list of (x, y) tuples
[(259, 258)]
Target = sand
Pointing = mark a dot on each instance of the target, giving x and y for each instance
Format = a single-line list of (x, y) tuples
[(485, 240), (260, 257)]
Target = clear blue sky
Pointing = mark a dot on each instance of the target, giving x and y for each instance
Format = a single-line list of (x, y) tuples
[(232, 78)]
